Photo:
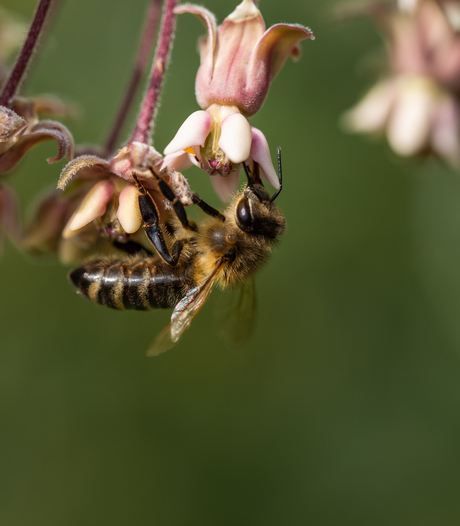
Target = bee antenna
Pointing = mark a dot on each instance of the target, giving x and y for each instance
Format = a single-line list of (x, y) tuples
[(280, 177), (248, 175)]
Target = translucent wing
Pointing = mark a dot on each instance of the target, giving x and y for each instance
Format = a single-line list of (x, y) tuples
[(183, 314), (237, 313)]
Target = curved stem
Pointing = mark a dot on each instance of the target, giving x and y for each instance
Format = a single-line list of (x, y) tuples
[(144, 124), (148, 35), (16, 76)]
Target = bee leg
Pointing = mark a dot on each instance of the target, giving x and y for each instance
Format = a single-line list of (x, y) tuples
[(179, 207), (207, 209), (152, 227)]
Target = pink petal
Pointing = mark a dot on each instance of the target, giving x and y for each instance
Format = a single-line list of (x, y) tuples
[(194, 131), (128, 211), (277, 43), (93, 205), (260, 153), (138, 157), (225, 187), (207, 44), (41, 132), (267, 59), (179, 161), (434, 30), (121, 164), (236, 41), (235, 139), (58, 132)]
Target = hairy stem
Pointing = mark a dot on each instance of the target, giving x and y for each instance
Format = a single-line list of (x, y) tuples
[(144, 124), (16, 76), (146, 43)]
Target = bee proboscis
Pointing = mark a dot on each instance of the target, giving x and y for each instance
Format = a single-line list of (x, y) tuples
[(227, 248)]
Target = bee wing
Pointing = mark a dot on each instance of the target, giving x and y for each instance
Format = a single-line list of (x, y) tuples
[(183, 314), (238, 315)]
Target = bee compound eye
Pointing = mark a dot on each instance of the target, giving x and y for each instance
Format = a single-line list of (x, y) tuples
[(243, 215)]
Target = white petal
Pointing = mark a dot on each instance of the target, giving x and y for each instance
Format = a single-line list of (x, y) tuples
[(246, 10), (128, 211), (93, 205), (409, 126), (260, 153), (225, 187), (407, 5), (178, 161), (194, 131), (235, 139), (371, 113)]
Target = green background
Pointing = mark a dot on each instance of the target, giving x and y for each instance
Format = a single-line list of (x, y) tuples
[(343, 408)]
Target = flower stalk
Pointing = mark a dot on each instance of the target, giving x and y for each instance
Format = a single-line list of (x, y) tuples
[(146, 43), (145, 121), (16, 76)]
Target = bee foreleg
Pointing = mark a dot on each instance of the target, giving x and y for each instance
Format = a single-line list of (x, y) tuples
[(152, 227), (155, 236)]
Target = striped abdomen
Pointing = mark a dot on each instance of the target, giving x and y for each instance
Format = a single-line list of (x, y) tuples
[(140, 284)]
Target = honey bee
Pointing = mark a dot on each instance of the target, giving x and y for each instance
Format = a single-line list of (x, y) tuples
[(226, 248)]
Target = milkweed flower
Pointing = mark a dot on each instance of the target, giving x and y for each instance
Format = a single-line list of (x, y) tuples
[(99, 207), (417, 104), (239, 60)]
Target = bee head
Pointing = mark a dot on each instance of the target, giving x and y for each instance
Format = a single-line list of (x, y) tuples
[(255, 211)]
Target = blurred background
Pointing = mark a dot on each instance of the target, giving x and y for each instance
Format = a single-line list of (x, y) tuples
[(344, 406)]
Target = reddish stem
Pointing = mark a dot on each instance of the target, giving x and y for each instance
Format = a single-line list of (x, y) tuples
[(16, 76), (148, 35), (144, 124)]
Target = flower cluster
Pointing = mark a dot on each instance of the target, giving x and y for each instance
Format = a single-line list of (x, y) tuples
[(95, 207), (417, 102)]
